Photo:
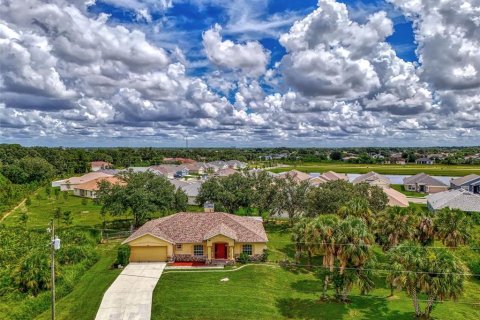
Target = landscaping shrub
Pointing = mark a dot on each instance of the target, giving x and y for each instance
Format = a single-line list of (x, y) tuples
[(123, 255), (243, 258)]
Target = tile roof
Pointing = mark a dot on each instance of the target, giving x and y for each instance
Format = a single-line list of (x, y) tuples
[(85, 178), (462, 180), (332, 176), (225, 172), (100, 163), (295, 174), (423, 178), (370, 177), (191, 188), (396, 198), (93, 184), (191, 227), (455, 199)]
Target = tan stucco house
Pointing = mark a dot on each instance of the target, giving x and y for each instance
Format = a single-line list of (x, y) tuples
[(190, 236)]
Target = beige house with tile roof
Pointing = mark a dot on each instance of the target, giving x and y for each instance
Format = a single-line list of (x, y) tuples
[(190, 236)]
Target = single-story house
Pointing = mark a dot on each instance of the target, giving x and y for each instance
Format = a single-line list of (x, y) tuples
[(395, 198), (89, 189), (225, 172), (70, 183), (422, 182), (296, 175), (424, 161), (191, 188), (373, 179), (454, 199), (470, 183), (218, 165), (99, 165), (397, 160), (235, 164), (189, 236), (171, 171), (257, 171), (196, 168), (327, 176)]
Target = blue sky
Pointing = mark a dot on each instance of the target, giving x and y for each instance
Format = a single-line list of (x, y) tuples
[(191, 20), (240, 72)]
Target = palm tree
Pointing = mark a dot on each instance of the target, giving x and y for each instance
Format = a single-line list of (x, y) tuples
[(324, 227), (436, 273), (425, 230), (395, 225), (298, 236), (353, 250), (357, 207), (452, 226)]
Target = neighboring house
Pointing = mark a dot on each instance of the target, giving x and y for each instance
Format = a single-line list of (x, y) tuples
[(189, 236), (235, 164), (191, 189), (224, 172), (89, 189), (470, 183), (395, 198), (70, 183), (196, 168), (349, 158), (454, 199), (422, 182), (171, 171), (218, 164), (327, 176), (424, 161), (397, 160), (139, 169), (296, 175), (99, 165), (372, 178)]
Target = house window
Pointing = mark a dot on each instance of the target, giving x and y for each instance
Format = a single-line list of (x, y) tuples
[(179, 246), (198, 250), (247, 248)]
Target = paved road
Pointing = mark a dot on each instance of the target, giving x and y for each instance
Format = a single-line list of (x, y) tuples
[(130, 295), (417, 200)]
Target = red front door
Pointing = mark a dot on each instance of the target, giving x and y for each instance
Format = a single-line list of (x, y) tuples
[(220, 251)]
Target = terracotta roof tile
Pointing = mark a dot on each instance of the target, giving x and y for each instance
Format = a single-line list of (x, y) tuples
[(191, 227)]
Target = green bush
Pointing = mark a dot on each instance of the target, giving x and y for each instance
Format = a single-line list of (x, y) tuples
[(243, 258), (123, 255), (265, 255)]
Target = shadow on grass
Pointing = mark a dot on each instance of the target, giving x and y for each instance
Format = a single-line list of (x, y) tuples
[(297, 308)]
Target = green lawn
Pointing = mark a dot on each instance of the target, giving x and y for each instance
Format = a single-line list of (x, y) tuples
[(83, 302), (41, 211), (409, 169), (264, 292), (270, 292), (401, 188)]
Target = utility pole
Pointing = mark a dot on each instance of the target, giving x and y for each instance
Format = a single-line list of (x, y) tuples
[(52, 231), (55, 245)]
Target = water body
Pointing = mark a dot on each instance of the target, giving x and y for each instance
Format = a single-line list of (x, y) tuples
[(394, 178)]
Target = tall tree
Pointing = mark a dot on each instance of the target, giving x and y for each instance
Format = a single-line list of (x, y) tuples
[(142, 194), (436, 273), (291, 197), (452, 226), (395, 225)]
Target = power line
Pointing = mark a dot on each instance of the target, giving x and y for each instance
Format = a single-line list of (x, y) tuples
[(374, 245)]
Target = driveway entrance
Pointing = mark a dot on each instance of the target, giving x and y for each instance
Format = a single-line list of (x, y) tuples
[(130, 295)]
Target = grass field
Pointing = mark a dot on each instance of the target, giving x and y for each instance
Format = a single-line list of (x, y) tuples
[(413, 194), (409, 169), (40, 212), (84, 300), (270, 292)]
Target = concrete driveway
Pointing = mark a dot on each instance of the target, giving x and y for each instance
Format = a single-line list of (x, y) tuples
[(130, 295)]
